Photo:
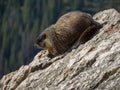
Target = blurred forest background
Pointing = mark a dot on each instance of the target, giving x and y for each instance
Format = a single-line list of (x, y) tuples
[(21, 21)]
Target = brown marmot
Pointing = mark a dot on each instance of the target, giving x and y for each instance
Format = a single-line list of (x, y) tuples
[(70, 28)]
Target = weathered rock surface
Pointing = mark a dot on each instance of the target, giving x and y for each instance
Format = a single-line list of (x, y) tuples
[(94, 65)]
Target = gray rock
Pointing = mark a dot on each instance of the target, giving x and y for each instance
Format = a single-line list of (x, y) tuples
[(94, 65)]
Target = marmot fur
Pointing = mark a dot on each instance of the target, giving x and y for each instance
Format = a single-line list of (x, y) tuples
[(70, 28)]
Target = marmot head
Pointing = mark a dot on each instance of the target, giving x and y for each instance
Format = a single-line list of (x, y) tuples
[(40, 41), (45, 40)]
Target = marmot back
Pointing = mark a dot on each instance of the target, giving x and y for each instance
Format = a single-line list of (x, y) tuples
[(69, 28)]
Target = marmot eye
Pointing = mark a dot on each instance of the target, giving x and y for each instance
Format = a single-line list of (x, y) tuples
[(43, 36)]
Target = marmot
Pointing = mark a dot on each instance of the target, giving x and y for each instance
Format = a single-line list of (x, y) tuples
[(72, 27)]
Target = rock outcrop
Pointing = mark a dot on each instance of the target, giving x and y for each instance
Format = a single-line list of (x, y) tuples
[(94, 65)]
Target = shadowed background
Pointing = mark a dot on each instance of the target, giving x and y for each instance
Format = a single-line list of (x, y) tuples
[(21, 21)]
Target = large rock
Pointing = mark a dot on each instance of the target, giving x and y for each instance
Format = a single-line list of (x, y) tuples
[(94, 65)]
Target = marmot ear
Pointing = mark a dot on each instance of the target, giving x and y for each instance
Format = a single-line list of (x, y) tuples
[(53, 26)]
